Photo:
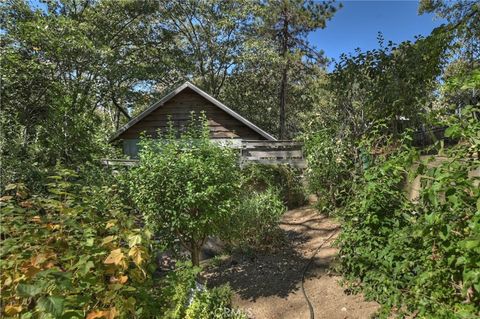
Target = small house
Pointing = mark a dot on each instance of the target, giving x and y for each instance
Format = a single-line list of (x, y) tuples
[(176, 108)]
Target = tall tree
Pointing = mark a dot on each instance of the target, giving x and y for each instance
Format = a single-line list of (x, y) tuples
[(70, 70), (463, 17), (287, 23), (211, 34)]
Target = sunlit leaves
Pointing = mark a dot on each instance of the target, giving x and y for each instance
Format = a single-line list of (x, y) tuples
[(115, 257), (136, 254), (107, 314), (11, 310), (59, 258)]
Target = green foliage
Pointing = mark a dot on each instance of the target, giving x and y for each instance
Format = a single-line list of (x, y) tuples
[(421, 256), (213, 304), (393, 84), (256, 219), (461, 85), (186, 301), (74, 253), (179, 284), (287, 180), (330, 169), (185, 188), (69, 72), (463, 21)]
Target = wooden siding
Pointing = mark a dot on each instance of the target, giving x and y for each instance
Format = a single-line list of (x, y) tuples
[(272, 153), (222, 125)]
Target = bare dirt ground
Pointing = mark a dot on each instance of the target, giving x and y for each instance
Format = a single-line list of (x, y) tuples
[(268, 285)]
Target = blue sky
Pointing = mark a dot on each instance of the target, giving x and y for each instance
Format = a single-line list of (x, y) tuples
[(357, 24)]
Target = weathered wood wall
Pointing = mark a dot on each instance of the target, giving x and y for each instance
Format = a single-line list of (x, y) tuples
[(272, 152), (179, 108)]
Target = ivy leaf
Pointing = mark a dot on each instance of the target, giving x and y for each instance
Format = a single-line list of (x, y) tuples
[(134, 240), (85, 268), (90, 241), (452, 131), (27, 291), (52, 305), (471, 244)]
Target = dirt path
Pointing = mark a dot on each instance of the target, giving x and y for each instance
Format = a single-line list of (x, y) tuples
[(269, 285)]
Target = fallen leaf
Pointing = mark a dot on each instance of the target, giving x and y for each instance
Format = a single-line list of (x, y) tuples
[(112, 313), (38, 259), (30, 271), (26, 204)]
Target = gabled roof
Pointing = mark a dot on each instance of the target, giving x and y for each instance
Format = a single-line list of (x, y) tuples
[(208, 97)]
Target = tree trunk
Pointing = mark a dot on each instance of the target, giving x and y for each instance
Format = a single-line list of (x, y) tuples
[(283, 86), (195, 252), (283, 93)]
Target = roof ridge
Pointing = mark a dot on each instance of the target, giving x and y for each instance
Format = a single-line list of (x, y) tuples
[(202, 93)]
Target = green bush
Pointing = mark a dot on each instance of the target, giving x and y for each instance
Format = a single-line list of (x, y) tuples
[(213, 304), (178, 285), (187, 302), (256, 218), (286, 179), (330, 169), (424, 256), (186, 188)]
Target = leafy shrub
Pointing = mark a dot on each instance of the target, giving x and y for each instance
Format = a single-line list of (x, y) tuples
[(286, 179), (214, 304), (330, 169), (256, 218), (186, 188), (424, 256), (75, 253), (178, 286), (187, 301)]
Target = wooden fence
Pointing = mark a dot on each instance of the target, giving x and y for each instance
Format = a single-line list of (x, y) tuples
[(272, 152), (414, 187), (251, 152)]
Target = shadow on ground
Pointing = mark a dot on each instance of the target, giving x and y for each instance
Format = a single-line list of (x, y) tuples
[(263, 274)]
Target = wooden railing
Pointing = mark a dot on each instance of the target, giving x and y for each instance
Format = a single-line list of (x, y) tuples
[(272, 152), (251, 152)]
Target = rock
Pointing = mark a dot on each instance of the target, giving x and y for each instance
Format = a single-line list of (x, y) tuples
[(212, 247)]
